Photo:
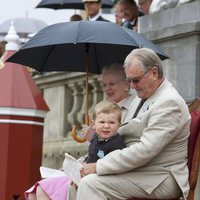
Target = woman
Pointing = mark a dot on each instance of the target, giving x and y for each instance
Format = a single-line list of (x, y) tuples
[(116, 88)]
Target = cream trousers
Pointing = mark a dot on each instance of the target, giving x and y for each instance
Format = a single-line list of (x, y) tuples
[(118, 187)]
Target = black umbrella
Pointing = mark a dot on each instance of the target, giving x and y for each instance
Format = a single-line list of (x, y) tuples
[(81, 46), (63, 46), (69, 4)]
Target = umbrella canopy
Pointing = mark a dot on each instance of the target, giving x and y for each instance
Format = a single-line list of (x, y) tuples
[(24, 26), (69, 4), (64, 46)]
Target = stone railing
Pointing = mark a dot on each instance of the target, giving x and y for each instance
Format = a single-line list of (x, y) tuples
[(64, 94)]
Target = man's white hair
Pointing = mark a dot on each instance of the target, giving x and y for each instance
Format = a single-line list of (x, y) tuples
[(158, 5)]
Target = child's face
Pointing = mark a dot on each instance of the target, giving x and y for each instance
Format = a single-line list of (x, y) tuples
[(106, 125)]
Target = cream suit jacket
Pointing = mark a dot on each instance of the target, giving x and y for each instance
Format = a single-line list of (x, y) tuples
[(156, 142)]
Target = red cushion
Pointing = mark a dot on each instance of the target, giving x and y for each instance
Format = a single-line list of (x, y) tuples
[(194, 131), (134, 198)]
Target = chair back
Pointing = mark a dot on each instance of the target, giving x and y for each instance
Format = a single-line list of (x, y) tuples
[(194, 146), (193, 150)]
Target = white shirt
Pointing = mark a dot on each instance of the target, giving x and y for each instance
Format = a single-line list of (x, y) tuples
[(125, 105), (95, 17)]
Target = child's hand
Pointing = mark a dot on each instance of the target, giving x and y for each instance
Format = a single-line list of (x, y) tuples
[(74, 185), (82, 173), (87, 132)]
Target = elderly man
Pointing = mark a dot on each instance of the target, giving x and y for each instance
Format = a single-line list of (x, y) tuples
[(154, 164), (93, 8)]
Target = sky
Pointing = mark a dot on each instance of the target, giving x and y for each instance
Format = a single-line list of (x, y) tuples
[(22, 8)]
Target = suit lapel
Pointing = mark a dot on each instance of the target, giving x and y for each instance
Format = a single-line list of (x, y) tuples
[(132, 109), (151, 100)]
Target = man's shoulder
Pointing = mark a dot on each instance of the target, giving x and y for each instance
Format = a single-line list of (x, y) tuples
[(100, 18)]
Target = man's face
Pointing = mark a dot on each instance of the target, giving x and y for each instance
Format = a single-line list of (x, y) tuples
[(144, 5), (144, 82), (92, 8), (129, 12)]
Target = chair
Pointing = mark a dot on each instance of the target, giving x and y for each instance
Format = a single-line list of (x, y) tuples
[(194, 146), (193, 150)]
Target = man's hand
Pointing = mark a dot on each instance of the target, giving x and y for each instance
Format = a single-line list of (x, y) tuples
[(88, 168)]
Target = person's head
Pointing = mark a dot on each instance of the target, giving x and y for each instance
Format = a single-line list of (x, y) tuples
[(144, 6), (114, 83), (92, 7), (76, 17), (106, 119), (144, 71), (129, 9), (118, 13)]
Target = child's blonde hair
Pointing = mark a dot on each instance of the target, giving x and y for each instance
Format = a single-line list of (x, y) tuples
[(107, 107)]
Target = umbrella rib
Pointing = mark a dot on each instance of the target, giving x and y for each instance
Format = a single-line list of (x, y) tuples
[(97, 62), (79, 23), (46, 58)]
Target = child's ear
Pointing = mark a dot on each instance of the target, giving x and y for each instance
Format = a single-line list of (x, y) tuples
[(92, 123)]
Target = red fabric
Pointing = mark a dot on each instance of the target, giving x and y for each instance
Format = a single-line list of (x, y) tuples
[(194, 131), (134, 198)]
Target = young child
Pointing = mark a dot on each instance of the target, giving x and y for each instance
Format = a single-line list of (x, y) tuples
[(106, 120)]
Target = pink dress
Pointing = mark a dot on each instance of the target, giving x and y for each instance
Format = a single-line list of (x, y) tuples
[(56, 187)]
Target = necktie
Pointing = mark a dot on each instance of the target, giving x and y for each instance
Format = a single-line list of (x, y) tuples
[(128, 25), (139, 107)]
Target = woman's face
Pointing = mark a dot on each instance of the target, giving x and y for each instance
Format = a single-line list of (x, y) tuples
[(118, 13), (114, 86)]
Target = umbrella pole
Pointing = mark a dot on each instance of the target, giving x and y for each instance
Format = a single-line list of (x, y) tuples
[(75, 137), (86, 93)]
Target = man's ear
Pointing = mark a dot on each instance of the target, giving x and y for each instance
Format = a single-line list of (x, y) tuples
[(155, 71)]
